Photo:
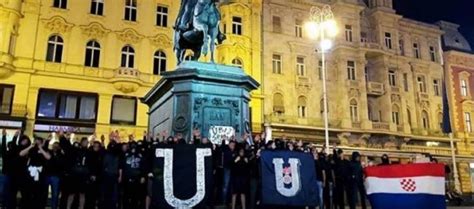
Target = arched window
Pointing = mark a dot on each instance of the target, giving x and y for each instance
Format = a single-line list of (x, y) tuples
[(237, 63), (55, 49), (92, 54), (395, 114), (159, 62), (354, 111), (302, 107), (425, 120), (128, 57), (278, 104)]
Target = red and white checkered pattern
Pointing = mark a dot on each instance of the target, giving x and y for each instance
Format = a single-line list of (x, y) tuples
[(408, 185)]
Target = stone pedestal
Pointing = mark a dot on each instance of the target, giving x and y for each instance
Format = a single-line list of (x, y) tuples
[(200, 95)]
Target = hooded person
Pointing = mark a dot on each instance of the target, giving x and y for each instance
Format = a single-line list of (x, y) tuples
[(132, 170), (343, 178), (110, 176), (385, 160), (357, 188)]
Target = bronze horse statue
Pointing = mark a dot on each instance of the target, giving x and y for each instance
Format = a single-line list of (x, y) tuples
[(197, 29)]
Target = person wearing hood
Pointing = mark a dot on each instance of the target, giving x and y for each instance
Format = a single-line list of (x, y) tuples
[(133, 172), (342, 176), (110, 176), (357, 188), (385, 160), (96, 153)]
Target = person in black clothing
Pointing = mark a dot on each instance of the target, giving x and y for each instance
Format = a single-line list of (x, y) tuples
[(11, 169), (357, 187), (110, 176), (320, 166), (36, 156), (343, 178), (133, 173), (385, 160), (54, 171), (228, 155), (77, 173), (95, 164), (330, 179), (240, 178)]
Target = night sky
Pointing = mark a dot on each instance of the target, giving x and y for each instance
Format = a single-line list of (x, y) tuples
[(458, 11)]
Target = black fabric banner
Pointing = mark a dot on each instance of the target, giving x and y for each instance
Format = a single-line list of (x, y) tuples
[(182, 176)]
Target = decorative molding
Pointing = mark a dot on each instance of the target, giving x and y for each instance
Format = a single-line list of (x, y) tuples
[(395, 98), (94, 30), (129, 36), (57, 24), (162, 41)]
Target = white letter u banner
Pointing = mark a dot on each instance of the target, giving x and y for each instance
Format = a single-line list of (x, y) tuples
[(283, 176), (169, 195)]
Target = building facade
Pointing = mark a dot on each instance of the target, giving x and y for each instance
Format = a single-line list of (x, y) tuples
[(384, 78), (459, 68), (81, 66)]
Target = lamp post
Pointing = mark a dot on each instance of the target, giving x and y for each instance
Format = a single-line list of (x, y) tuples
[(322, 28)]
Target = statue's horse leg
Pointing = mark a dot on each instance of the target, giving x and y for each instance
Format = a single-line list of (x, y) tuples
[(214, 31)]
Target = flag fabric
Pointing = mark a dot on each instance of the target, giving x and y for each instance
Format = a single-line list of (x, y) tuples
[(182, 176), (446, 118), (288, 178), (412, 186)]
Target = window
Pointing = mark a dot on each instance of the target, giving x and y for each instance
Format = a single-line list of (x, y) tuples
[(363, 37), (300, 66), (416, 51), (237, 63), (467, 118), (401, 44), (421, 84), (370, 111), (436, 88), (353, 111), (159, 63), (464, 90), (302, 107), (392, 78), (278, 104), (92, 54), (123, 110), (276, 63), (276, 24), (299, 28), (162, 16), (351, 71), (320, 69), (405, 81), (6, 99), (348, 33), (433, 53), (60, 4), (97, 7), (237, 25), (55, 49), (395, 114), (67, 105), (130, 10), (388, 40), (425, 120), (128, 57), (366, 74)]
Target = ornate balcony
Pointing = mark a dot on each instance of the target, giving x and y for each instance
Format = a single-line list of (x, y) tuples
[(294, 120), (395, 89), (381, 126), (375, 88), (126, 80), (423, 96)]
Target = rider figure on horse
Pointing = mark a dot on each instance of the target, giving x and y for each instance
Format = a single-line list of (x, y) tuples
[(185, 17)]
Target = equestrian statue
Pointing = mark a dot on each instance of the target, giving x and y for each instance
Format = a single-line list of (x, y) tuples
[(197, 29)]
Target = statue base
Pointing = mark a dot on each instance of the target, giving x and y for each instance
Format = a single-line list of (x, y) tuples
[(200, 96)]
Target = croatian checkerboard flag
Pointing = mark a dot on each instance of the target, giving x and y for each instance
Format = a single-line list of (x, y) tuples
[(412, 186)]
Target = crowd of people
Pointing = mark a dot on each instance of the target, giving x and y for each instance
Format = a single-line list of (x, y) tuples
[(87, 174)]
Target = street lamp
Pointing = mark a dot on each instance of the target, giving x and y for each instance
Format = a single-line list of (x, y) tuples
[(322, 28)]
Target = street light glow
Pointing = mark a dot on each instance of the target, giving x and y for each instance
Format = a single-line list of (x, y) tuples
[(312, 29), (325, 45)]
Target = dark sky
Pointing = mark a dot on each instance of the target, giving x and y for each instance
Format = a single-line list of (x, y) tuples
[(458, 11)]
